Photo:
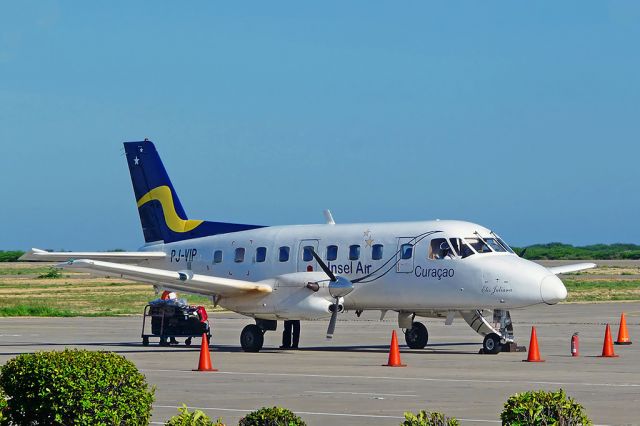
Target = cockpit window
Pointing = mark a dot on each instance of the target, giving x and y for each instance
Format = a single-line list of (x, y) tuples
[(502, 243), (460, 246), (478, 245), (495, 245), (440, 249)]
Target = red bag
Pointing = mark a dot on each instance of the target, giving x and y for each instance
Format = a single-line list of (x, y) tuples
[(202, 313)]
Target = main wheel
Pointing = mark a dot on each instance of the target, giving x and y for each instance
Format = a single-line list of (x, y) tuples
[(251, 338), (491, 344), (417, 336)]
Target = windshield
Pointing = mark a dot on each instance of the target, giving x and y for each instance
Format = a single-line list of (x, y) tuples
[(461, 247), (495, 245), (478, 245), (502, 243)]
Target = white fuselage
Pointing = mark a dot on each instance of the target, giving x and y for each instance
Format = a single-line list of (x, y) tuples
[(386, 274)]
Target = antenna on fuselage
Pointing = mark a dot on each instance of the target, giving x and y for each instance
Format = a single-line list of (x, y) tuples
[(328, 217)]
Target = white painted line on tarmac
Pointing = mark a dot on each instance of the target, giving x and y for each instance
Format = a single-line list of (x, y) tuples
[(363, 393), (420, 379), (313, 413)]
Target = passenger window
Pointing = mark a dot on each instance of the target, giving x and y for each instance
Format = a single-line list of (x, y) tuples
[(376, 251), (261, 254), (406, 251), (217, 256), (332, 252), (283, 254), (239, 255), (440, 249), (354, 252), (307, 255)]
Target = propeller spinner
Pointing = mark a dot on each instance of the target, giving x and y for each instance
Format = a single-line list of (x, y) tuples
[(338, 287)]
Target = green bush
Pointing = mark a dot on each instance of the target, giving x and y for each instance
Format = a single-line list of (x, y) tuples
[(75, 387), (10, 256), (197, 418), (3, 407), (51, 273), (426, 418), (275, 416), (543, 408)]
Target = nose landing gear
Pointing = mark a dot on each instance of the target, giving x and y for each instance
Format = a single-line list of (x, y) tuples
[(491, 344)]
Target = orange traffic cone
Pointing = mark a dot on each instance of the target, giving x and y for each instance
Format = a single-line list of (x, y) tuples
[(394, 353), (534, 352), (607, 348), (205, 358), (623, 334)]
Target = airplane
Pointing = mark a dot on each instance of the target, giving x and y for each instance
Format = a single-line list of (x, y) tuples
[(431, 269)]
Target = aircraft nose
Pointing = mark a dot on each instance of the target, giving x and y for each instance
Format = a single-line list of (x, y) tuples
[(552, 290)]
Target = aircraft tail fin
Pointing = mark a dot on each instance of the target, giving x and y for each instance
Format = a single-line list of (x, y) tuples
[(161, 213)]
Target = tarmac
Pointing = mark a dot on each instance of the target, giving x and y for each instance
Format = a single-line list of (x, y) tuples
[(343, 381)]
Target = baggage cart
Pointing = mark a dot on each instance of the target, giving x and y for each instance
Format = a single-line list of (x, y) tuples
[(167, 319)]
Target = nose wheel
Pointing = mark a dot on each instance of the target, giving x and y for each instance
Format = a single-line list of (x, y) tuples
[(417, 336), (491, 344)]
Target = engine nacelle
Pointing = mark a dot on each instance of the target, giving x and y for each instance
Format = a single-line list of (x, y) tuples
[(292, 298)]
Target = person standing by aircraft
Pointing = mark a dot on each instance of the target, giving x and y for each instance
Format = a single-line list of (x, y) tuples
[(291, 334)]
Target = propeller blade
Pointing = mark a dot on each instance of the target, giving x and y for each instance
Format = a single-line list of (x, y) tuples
[(332, 321), (524, 250), (324, 267)]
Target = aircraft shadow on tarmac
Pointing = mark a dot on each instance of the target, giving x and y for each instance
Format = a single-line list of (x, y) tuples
[(137, 347)]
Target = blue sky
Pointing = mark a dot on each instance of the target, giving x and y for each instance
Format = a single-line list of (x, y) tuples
[(520, 116)]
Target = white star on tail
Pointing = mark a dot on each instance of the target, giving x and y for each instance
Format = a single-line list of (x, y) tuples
[(136, 161)]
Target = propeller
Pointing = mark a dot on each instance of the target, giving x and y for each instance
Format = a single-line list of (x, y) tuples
[(338, 287), (522, 252)]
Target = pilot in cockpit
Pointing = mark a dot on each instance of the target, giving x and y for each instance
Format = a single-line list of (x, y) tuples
[(440, 249)]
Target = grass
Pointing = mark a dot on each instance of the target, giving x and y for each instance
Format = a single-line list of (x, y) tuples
[(35, 311), (73, 294), (602, 290), (22, 293)]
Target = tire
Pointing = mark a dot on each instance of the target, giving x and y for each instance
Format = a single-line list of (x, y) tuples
[(251, 338), (188, 341), (491, 344), (417, 336)]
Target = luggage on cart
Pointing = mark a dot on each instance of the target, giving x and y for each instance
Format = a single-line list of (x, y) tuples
[(174, 318)]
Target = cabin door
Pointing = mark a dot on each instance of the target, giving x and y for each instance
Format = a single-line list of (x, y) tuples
[(405, 255)]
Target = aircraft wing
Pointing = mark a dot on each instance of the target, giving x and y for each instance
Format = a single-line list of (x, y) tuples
[(571, 268), (175, 280), (115, 256)]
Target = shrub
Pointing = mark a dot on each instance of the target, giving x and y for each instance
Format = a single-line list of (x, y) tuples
[(426, 418), (543, 408), (75, 387), (10, 256), (275, 416), (197, 418), (51, 273), (3, 407)]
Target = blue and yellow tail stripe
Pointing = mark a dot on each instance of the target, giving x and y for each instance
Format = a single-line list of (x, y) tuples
[(161, 213), (163, 195)]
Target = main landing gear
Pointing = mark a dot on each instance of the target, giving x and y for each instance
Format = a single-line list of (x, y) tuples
[(417, 336), (252, 336)]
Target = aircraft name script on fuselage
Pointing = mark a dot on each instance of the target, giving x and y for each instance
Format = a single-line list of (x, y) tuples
[(438, 273)]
